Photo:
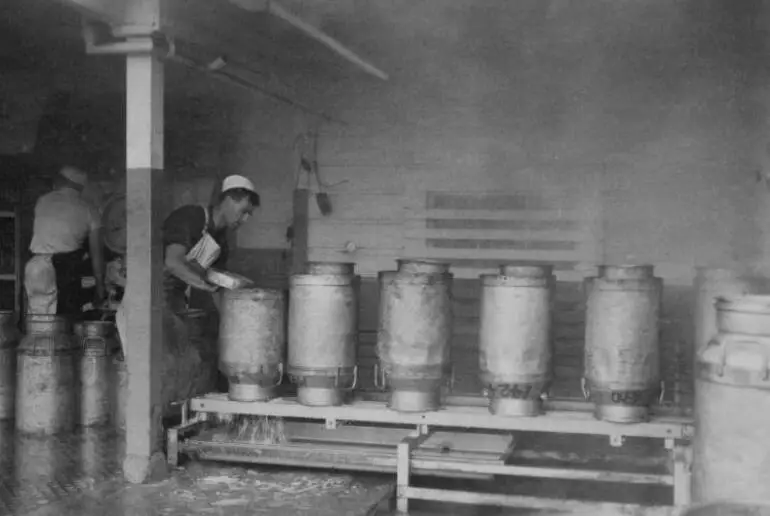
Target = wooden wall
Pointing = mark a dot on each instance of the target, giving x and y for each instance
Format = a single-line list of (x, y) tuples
[(389, 213)]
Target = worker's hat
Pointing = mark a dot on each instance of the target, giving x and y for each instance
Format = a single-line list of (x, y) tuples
[(237, 182), (74, 175)]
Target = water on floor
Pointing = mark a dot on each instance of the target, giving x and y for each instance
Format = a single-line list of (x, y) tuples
[(231, 491), (38, 471), (81, 475)]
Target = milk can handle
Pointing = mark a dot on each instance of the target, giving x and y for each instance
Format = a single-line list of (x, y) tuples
[(723, 357), (355, 380), (584, 388), (380, 380), (85, 341), (280, 375)]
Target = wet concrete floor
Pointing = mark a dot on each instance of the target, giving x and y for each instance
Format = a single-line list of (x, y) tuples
[(81, 475)]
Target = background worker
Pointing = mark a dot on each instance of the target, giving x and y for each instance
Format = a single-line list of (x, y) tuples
[(65, 228)]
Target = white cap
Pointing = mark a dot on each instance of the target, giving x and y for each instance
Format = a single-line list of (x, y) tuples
[(74, 175), (236, 181)]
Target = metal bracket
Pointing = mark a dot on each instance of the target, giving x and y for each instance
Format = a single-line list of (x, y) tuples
[(669, 444), (422, 429), (330, 424), (616, 441)]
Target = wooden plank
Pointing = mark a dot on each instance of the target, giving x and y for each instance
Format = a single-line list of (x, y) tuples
[(470, 442), (472, 269), (365, 235), (413, 230), (569, 215), (500, 256), (378, 207), (536, 503), (450, 417), (501, 200)]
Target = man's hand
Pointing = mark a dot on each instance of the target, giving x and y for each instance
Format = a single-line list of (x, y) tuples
[(206, 286), (99, 294)]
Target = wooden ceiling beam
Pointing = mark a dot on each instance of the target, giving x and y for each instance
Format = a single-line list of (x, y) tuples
[(274, 8)]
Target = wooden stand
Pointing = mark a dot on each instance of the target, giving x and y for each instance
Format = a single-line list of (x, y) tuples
[(575, 418)]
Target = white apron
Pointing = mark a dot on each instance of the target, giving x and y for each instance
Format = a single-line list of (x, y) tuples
[(205, 252), (40, 285)]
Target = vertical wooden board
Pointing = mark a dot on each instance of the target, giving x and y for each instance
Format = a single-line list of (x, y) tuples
[(369, 304), (676, 337)]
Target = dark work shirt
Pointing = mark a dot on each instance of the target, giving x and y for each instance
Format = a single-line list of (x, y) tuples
[(184, 226)]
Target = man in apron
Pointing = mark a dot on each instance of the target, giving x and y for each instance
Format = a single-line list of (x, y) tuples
[(194, 239), (63, 223)]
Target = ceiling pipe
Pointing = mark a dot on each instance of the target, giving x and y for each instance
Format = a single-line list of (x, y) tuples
[(274, 8), (222, 73), (154, 42)]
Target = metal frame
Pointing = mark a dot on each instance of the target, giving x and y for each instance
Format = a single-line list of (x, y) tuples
[(675, 431)]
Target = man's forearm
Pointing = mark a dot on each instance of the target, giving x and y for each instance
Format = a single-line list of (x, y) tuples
[(189, 274)]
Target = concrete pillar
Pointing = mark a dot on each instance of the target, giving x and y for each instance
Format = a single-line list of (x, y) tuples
[(144, 296)]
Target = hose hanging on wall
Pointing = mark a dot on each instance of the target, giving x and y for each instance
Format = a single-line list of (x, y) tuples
[(305, 150)]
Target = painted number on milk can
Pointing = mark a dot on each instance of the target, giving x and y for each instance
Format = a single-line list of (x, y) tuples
[(511, 391), (628, 397)]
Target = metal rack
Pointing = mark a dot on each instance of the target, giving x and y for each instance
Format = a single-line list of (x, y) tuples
[(412, 450)]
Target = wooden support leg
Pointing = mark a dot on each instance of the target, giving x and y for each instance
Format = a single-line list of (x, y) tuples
[(404, 465), (682, 458), (172, 447)]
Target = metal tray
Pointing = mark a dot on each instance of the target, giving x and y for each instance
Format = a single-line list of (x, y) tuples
[(228, 280)]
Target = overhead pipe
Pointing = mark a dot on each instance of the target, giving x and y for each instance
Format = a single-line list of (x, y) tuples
[(220, 71), (149, 43), (274, 8)]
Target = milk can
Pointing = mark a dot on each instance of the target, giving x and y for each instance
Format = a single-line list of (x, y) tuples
[(252, 342), (9, 340), (119, 391), (732, 405), (96, 342), (515, 346), (414, 336), (46, 377), (323, 333), (622, 355), (710, 284)]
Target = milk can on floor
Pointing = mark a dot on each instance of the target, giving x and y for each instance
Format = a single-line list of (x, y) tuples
[(96, 342), (622, 354), (515, 346), (731, 457), (414, 335), (9, 341), (119, 391), (46, 377), (323, 333), (252, 342)]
